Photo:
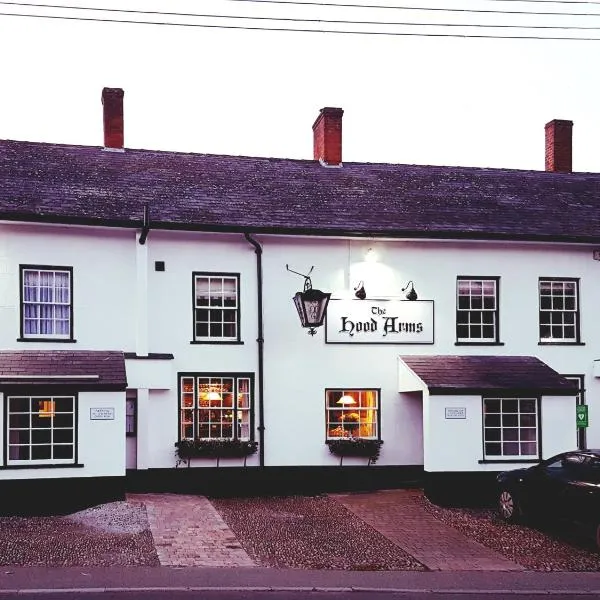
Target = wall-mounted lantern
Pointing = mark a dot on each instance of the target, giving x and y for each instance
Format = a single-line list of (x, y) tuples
[(412, 295), (311, 304)]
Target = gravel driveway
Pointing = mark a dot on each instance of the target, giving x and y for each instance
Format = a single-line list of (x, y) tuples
[(536, 550), (106, 535), (294, 532), (310, 532)]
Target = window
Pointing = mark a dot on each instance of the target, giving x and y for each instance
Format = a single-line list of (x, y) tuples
[(216, 407), (510, 428), (40, 429), (559, 310), (579, 399), (352, 413), (216, 307), (477, 310), (46, 302), (131, 413)]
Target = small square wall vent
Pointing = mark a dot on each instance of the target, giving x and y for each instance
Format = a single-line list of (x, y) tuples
[(159, 265)]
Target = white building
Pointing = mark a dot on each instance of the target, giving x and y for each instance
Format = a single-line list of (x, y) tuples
[(176, 267)]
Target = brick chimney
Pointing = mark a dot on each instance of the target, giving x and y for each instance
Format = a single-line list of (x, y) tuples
[(112, 100), (559, 146), (327, 130)]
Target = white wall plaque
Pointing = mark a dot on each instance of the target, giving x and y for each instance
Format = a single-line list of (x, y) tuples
[(102, 414), (453, 412), (379, 322)]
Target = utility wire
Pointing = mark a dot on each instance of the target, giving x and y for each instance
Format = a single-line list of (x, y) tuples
[(296, 3), (347, 32), (325, 21)]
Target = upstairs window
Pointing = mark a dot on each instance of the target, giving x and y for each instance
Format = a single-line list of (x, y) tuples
[(559, 310), (352, 413), (46, 302), (477, 310), (216, 407), (216, 307)]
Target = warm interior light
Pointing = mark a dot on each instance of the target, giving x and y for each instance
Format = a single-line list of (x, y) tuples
[(346, 400), (213, 396), (46, 408)]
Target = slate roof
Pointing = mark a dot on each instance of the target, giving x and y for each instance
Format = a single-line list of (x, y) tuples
[(63, 368), (481, 374), (80, 184)]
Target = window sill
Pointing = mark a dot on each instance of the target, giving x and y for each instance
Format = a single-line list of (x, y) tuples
[(50, 340), (561, 343), (479, 343), (230, 342), (48, 466), (508, 461)]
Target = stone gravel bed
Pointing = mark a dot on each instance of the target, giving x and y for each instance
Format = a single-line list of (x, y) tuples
[(536, 550), (113, 534), (310, 532)]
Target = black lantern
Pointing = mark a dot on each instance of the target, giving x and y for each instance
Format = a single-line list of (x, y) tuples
[(412, 295), (311, 304)]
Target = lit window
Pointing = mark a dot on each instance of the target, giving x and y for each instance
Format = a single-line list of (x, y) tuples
[(559, 310), (510, 428), (352, 413), (216, 307), (40, 429), (46, 309), (216, 407), (477, 310)]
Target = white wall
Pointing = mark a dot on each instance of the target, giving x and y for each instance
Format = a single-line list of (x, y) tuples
[(298, 367), (101, 443)]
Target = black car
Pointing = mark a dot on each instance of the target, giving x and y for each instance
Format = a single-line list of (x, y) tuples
[(564, 487)]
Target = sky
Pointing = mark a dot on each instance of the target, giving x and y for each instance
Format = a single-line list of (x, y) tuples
[(406, 99)]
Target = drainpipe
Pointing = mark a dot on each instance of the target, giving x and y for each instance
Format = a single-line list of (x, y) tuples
[(260, 341)]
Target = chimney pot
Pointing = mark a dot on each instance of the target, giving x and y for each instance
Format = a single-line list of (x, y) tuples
[(327, 130), (112, 101), (559, 146)]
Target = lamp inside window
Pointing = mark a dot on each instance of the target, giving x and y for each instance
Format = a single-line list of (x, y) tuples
[(47, 408)]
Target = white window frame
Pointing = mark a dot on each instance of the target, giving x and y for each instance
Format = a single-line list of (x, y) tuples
[(347, 424), (49, 411), (198, 411), (478, 288), (219, 315), (53, 305), (496, 430), (555, 313)]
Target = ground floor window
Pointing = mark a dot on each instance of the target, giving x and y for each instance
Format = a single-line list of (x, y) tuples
[(352, 413), (131, 397), (216, 406), (510, 428), (40, 429)]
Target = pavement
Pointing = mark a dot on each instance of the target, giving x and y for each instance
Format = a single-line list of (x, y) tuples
[(188, 531)]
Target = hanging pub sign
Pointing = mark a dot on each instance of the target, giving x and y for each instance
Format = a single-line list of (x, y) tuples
[(379, 322)]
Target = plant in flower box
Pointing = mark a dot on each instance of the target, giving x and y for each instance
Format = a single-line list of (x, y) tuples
[(355, 446), (188, 448)]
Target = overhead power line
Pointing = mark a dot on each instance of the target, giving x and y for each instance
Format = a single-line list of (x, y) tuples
[(311, 21), (289, 29), (296, 3)]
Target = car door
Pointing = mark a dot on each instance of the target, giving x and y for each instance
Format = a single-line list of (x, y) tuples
[(582, 492), (548, 484)]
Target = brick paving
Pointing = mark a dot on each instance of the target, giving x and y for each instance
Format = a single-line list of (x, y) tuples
[(400, 517), (189, 532)]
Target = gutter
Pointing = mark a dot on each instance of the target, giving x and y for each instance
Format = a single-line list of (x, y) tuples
[(260, 341)]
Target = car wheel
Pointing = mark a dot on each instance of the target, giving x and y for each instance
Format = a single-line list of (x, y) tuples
[(509, 507)]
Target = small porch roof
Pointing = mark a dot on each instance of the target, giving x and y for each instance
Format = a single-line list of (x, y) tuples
[(483, 374), (93, 370)]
